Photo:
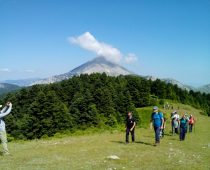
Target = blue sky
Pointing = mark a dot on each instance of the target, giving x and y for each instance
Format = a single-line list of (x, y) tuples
[(40, 38)]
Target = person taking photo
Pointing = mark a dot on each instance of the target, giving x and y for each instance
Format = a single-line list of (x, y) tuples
[(3, 136)]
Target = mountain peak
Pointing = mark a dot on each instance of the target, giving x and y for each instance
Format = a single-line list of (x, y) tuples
[(98, 65), (102, 59)]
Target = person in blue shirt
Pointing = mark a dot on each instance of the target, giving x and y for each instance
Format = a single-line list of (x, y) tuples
[(183, 127), (157, 121)]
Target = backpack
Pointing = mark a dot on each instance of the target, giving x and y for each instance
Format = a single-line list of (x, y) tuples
[(158, 119), (183, 123)]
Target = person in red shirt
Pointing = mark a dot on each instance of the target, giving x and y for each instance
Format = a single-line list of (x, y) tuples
[(191, 123)]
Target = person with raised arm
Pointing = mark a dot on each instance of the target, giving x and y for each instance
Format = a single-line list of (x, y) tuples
[(3, 135)]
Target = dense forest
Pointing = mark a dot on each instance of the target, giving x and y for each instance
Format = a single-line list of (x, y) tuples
[(95, 100)]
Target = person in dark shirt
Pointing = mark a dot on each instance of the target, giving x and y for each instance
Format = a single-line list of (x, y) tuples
[(130, 127)]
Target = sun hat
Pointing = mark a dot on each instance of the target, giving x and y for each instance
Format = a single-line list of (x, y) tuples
[(155, 108)]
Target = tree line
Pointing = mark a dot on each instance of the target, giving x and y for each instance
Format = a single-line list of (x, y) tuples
[(95, 100)]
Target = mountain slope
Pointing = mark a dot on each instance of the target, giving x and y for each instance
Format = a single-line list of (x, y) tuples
[(100, 65), (22, 82), (92, 149), (97, 65), (204, 89), (179, 84), (5, 88), (172, 81)]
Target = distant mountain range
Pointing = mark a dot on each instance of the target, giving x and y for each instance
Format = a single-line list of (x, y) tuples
[(172, 81), (5, 88), (204, 89), (22, 82), (100, 65)]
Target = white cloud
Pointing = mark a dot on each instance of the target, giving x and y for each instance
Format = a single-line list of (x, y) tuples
[(5, 70), (89, 42), (131, 58)]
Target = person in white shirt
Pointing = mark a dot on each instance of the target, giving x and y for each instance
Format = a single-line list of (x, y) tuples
[(175, 122), (3, 136)]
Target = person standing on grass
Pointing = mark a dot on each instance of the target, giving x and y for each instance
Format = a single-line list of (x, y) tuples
[(157, 121), (183, 127), (130, 127), (3, 136), (175, 122), (162, 131), (191, 123)]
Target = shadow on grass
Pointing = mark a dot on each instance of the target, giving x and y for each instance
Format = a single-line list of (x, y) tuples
[(145, 143), (138, 142), (168, 134), (120, 142)]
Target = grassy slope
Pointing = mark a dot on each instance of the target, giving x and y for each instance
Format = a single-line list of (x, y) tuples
[(91, 151)]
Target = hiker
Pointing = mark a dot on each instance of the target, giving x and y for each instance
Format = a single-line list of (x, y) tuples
[(187, 118), (191, 123), (157, 121), (130, 127), (175, 122), (183, 127), (162, 131), (172, 124), (3, 136)]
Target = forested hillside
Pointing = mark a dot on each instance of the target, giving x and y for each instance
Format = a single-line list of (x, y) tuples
[(5, 88), (95, 100)]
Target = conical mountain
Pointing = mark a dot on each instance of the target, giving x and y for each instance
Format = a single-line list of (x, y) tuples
[(100, 65), (97, 65)]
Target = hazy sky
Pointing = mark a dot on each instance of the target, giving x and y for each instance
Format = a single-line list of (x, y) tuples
[(164, 38)]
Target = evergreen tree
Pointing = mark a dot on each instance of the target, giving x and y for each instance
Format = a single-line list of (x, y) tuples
[(84, 101)]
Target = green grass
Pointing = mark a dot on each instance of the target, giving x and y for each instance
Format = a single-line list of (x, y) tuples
[(90, 151)]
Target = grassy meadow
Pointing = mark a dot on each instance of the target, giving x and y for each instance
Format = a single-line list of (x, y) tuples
[(91, 151)]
